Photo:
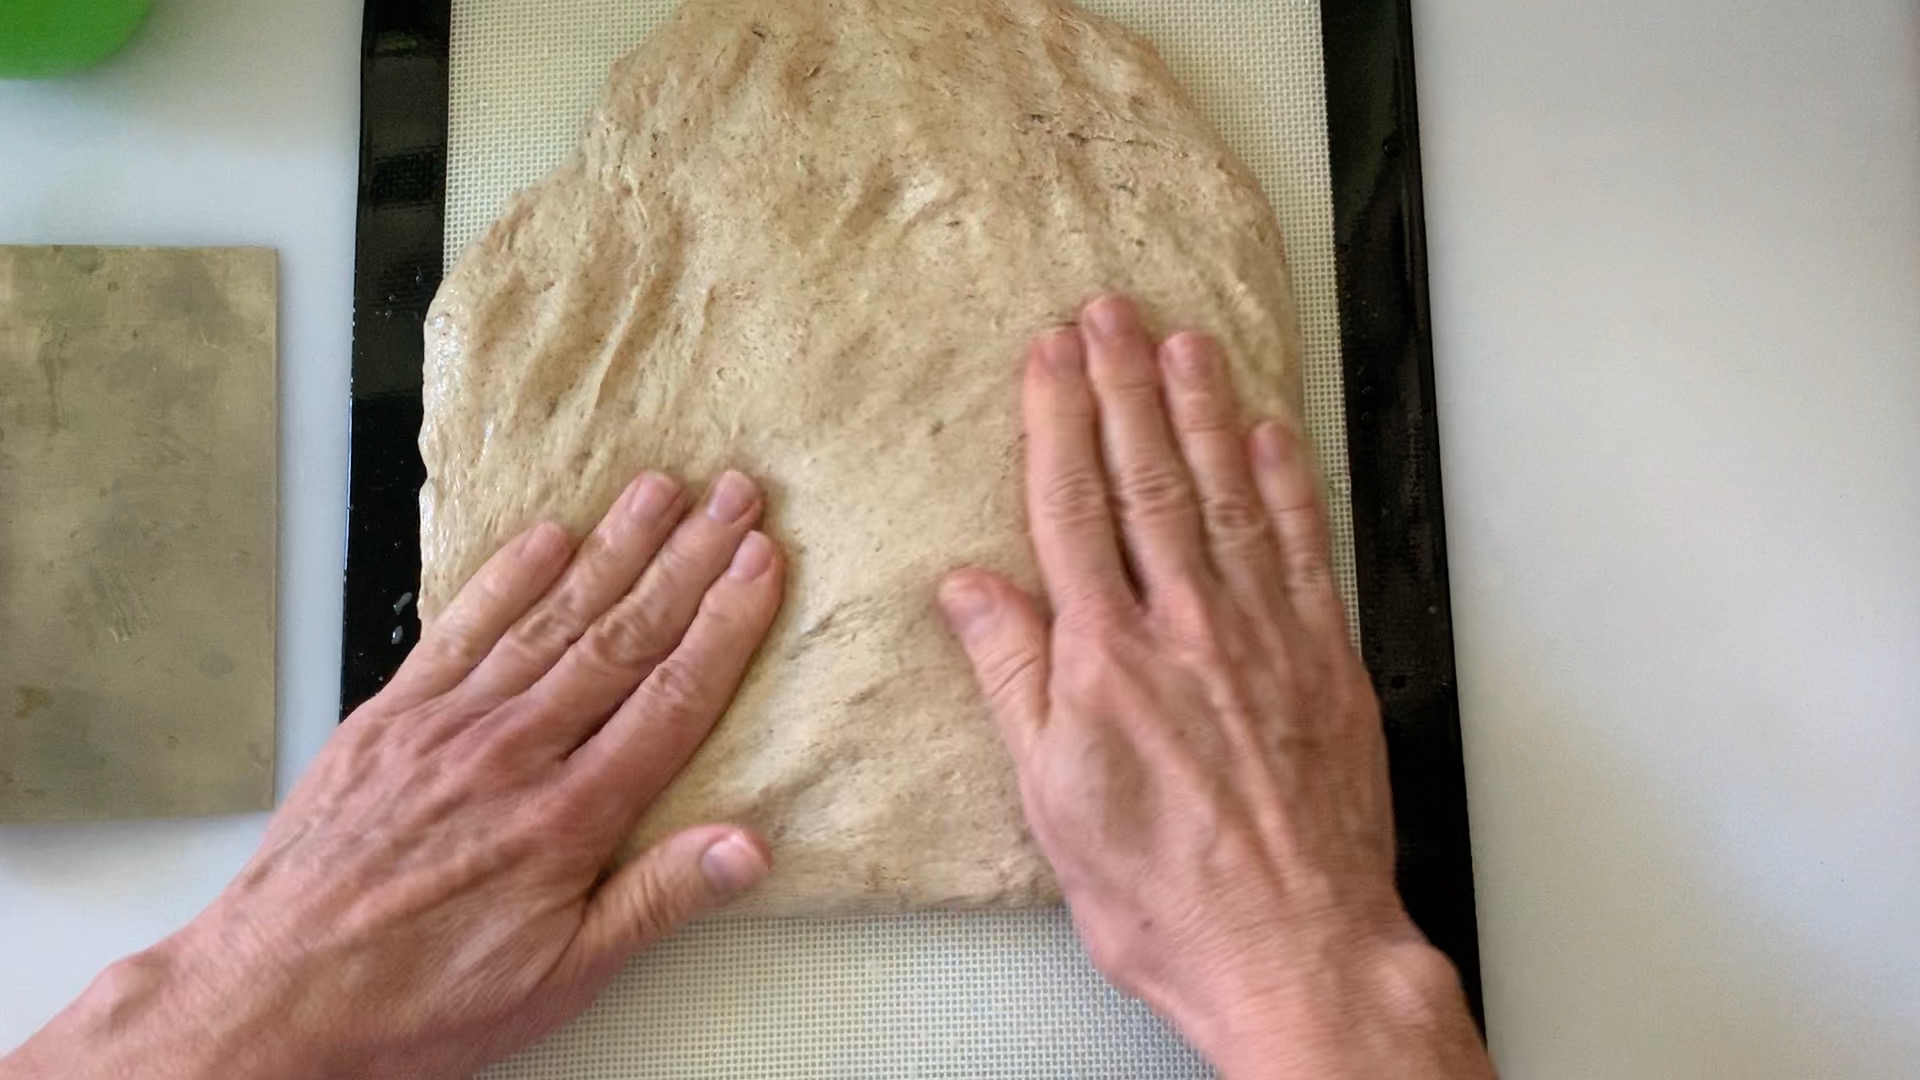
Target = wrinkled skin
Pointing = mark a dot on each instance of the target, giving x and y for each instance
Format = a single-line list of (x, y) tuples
[(438, 891), (1199, 748)]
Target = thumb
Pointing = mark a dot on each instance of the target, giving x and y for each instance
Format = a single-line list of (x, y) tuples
[(1006, 641), (689, 873)]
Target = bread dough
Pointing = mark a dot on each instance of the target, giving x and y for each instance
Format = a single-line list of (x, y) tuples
[(809, 240)]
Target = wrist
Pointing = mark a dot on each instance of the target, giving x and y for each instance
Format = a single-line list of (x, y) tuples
[(1392, 1006), (164, 1013)]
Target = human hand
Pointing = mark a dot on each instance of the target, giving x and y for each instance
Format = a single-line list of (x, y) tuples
[(1198, 746), (437, 891)]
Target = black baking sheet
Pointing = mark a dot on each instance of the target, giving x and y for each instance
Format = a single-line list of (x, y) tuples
[(1392, 436)]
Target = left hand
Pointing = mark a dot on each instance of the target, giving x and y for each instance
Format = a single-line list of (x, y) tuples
[(438, 891)]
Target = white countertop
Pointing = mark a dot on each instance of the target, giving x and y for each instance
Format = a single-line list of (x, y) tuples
[(1676, 279)]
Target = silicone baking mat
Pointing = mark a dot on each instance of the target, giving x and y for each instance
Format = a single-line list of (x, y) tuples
[(466, 102)]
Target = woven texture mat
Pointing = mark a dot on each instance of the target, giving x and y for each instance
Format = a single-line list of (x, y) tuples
[(987, 995)]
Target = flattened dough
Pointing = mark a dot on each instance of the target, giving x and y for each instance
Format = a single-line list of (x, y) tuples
[(808, 239)]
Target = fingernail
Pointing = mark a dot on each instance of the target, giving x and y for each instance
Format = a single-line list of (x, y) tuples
[(734, 863), (650, 497), (1110, 316), (547, 541), (732, 496), (966, 602), (752, 558), (1269, 444), (1061, 350)]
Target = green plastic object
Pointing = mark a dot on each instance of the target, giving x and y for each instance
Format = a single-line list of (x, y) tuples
[(39, 38)]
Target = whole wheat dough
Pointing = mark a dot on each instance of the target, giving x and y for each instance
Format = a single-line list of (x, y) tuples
[(808, 238)]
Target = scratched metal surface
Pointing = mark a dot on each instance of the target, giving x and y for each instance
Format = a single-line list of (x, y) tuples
[(137, 518)]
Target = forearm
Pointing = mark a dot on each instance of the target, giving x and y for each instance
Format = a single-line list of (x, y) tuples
[(1401, 1014), (161, 1015)]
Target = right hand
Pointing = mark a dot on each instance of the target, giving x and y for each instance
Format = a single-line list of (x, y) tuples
[(1198, 746)]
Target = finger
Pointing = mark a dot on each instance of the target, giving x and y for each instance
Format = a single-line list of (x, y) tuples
[(1006, 642), (1067, 510), (1158, 517), (1285, 476), (689, 873), (643, 747), (624, 646), (1206, 420), (468, 628), (605, 568)]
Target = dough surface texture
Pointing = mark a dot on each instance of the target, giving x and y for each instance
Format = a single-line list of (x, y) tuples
[(809, 239)]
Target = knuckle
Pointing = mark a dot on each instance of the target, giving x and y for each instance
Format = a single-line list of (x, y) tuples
[(1312, 572), (599, 552), (1084, 624), (629, 637), (498, 752), (553, 625), (1302, 520), (1204, 413), (1154, 492), (1118, 953), (1076, 496), (677, 693), (1309, 568), (590, 806), (480, 593), (1003, 674), (652, 910), (678, 562), (526, 833), (727, 610), (1190, 615), (1133, 384), (1088, 674), (1305, 532), (1077, 601), (452, 645), (1234, 520), (401, 746)]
